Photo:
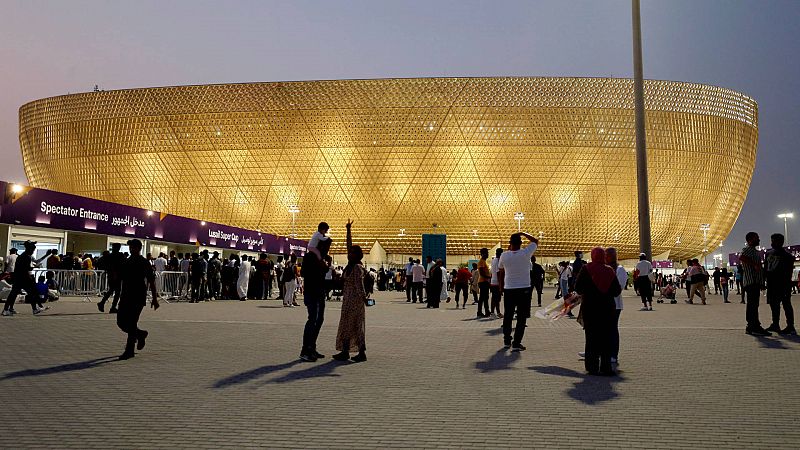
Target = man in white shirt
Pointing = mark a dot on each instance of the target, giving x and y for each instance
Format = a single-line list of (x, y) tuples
[(160, 265), (494, 285), (563, 279), (409, 284), (11, 260), (417, 278), (514, 277), (643, 282)]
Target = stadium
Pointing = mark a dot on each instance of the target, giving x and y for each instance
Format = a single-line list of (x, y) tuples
[(403, 157)]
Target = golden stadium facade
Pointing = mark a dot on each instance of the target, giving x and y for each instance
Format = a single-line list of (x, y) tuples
[(399, 155)]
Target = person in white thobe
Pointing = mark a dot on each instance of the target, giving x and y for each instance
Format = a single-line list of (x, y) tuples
[(244, 278)]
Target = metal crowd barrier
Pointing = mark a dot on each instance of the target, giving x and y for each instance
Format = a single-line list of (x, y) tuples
[(78, 283), (88, 283), (173, 285)]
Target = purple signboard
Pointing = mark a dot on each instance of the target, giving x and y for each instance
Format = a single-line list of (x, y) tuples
[(35, 207), (662, 264), (733, 258)]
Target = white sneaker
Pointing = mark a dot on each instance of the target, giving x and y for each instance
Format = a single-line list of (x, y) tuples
[(582, 354), (38, 311), (493, 316), (7, 313), (643, 308)]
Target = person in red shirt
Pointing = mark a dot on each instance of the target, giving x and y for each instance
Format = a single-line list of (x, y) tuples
[(463, 278)]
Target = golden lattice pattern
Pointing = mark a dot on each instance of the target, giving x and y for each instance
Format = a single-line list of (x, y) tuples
[(463, 153)]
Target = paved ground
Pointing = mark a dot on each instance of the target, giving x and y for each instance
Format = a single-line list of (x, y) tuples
[(226, 374)]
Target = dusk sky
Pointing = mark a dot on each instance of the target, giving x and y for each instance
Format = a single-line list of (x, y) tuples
[(50, 48)]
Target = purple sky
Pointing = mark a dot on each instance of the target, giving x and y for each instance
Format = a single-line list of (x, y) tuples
[(56, 47)]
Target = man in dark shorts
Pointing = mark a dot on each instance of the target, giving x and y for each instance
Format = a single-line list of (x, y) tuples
[(137, 277)]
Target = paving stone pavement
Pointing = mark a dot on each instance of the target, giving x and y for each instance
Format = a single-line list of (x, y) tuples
[(226, 374)]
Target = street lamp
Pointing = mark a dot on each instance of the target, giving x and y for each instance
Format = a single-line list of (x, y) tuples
[(718, 256), (519, 217), (294, 210), (785, 216), (704, 227)]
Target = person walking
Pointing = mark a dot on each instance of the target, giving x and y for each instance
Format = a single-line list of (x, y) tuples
[(697, 278), (11, 260), (752, 283), (112, 263), (514, 278), (494, 285), (778, 267), (289, 281), (243, 280), (598, 286), (22, 279), (352, 328), (537, 280), (643, 282), (724, 280), (716, 276), (462, 283), (137, 277)]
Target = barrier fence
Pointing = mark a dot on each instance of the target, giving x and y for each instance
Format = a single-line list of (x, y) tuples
[(88, 283)]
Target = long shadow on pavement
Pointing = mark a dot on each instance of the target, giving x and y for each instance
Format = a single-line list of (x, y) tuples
[(251, 375), (500, 360), (313, 371), (97, 313), (60, 368), (590, 389), (771, 342)]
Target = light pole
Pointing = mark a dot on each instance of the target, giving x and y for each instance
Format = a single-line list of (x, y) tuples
[(519, 217), (294, 210), (785, 216), (645, 245), (718, 256), (704, 227)]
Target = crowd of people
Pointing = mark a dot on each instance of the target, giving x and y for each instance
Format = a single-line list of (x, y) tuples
[(511, 278)]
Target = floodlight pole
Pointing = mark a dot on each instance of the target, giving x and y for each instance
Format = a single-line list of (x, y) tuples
[(645, 245)]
